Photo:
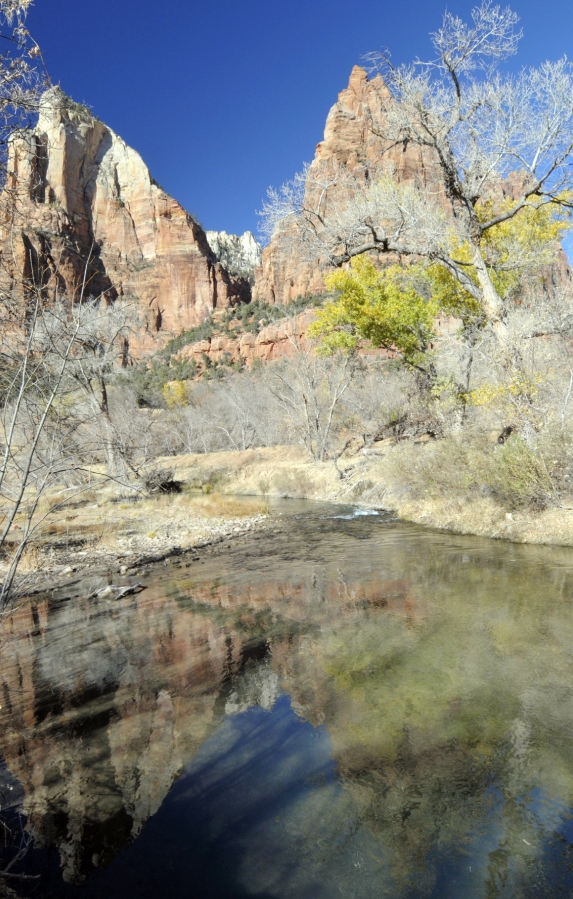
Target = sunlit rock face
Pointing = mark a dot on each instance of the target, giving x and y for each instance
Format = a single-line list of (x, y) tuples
[(351, 138), (87, 204), (240, 254), (274, 341)]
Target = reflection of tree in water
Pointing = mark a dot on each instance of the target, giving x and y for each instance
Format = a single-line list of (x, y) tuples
[(449, 713), (439, 668)]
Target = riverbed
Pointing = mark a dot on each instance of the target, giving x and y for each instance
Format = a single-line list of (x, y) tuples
[(342, 705)]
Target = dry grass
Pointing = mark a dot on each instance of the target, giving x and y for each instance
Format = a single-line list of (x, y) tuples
[(106, 538), (31, 561), (219, 506)]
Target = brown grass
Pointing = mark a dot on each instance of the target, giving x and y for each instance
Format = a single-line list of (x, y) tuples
[(219, 506)]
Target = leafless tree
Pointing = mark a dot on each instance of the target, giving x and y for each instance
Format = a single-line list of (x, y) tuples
[(100, 334), (309, 390), (18, 841), (476, 126), (22, 80), (54, 414)]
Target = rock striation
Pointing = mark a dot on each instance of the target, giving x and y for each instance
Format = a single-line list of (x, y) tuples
[(274, 341), (85, 202), (351, 138), (239, 254)]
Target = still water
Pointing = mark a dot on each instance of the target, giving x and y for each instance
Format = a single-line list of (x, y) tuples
[(349, 706)]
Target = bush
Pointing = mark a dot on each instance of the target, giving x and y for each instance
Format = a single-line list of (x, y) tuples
[(161, 480), (517, 474)]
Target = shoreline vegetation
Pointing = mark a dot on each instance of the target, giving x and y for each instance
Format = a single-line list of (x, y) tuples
[(432, 376), (225, 497)]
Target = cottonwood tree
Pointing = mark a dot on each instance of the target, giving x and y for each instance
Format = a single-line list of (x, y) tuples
[(99, 332), (22, 80), (501, 145), (30, 431), (309, 390), (22, 83)]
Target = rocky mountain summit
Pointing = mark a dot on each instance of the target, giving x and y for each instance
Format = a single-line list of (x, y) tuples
[(79, 204), (240, 254), (85, 202), (352, 138)]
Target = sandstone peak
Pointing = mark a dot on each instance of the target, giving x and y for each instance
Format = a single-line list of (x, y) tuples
[(352, 139), (358, 78), (85, 194)]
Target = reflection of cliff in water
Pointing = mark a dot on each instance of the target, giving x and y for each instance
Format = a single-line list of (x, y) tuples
[(102, 707), (439, 667)]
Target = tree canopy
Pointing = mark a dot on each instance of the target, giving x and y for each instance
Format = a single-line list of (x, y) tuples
[(484, 131)]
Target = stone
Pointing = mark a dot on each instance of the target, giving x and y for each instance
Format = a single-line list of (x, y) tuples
[(239, 254), (86, 201), (274, 341), (350, 139)]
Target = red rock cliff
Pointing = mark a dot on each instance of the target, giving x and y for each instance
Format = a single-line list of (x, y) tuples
[(81, 190), (351, 137)]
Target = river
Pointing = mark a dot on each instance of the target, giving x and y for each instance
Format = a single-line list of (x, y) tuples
[(345, 706)]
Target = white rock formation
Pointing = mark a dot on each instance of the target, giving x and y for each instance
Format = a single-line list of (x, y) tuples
[(239, 254)]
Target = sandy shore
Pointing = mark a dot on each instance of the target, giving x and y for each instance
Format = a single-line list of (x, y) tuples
[(112, 536)]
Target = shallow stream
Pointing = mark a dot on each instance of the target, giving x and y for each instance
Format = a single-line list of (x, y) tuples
[(345, 706)]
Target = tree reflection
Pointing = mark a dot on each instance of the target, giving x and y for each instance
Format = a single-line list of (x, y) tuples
[(439, 668)]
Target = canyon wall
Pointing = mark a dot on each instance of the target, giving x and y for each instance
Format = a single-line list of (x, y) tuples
[(352, 138), (274, 341), (240, 254), (79, 201)]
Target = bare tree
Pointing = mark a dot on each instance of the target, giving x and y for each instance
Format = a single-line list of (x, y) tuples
[(30, 429), (22, 81), (99, 333), (55, 420), (476, 126), (309, 390)]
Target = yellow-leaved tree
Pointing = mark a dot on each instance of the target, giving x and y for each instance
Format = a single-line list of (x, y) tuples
[(513, 250), (396, 307), (382, 306)]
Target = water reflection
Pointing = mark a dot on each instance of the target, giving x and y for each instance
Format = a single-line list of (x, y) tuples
[(352, 707)]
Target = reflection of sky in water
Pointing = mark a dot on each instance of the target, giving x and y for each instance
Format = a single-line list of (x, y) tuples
[(260, 812), (437, 667)]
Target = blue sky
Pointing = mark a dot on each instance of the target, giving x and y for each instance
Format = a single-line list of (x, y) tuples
[(223, 98)]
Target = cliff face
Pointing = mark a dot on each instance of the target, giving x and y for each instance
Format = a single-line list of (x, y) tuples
[(86, 199), (275, 341), (239, 254), (351, 139)]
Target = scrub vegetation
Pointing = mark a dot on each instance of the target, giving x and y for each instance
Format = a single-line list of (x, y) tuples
[(442, 342)]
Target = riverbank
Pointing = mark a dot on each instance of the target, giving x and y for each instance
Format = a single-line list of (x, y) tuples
[(382, 477), (100, 533), (225, 496)]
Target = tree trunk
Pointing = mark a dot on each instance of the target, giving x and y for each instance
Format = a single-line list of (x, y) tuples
[(492, 303)]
